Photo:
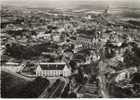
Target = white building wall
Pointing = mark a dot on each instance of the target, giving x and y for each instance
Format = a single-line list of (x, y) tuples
[(53, 73), (66, 71)]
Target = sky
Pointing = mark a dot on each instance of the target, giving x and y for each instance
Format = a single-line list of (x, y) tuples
[(70, 3), (71, 0)]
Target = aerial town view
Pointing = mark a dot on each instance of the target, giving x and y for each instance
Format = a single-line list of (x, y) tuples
[(70, 49)]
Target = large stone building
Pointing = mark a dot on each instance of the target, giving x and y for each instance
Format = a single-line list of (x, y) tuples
[(53, 70), (86, 41)]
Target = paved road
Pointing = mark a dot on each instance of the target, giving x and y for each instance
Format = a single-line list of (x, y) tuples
[(102, 81), (103, 89)]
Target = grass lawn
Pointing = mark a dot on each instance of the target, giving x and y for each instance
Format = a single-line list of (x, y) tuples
[(11, 84)]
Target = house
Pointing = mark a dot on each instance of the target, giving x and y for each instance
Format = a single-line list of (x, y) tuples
[(125, 74), (92, 58), (56, 38), (60, 30), (78, 48), (68, 53), (88, 17), (122, 76), (44, 36), (53, 70)]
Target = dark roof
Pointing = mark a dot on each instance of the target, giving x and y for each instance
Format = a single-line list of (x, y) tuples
[(86, 36), (73, 38), (79, 57), (84, 51), (52, 66), (76, 60), (87, 68), (87, 32), (68, 50)]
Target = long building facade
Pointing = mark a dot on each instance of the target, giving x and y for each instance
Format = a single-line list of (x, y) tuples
[(53, 70)]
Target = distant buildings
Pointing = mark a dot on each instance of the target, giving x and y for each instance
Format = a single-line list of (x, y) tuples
[(125, 74), (78, 48), (56, 38), (53, 70), (44, 36), (86, 41), (80, 42)]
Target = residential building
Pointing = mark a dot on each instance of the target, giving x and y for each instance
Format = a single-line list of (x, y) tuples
[(78, 48), (57, 37), (44, 36), (125, 74)]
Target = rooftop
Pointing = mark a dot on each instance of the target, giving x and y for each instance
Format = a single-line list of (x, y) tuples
[(86, 36), (52, 66)]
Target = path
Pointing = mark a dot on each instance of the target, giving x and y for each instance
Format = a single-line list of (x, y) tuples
[(16, 74)]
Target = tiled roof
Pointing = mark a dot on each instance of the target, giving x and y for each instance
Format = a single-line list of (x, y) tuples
[(52, 66), (86, 36)]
